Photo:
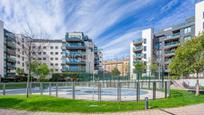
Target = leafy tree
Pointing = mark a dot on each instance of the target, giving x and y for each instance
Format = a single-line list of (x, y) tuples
[(20, 72), (43, 71), (115, 72), (139, 68), (153, 68), (189, 59), (34, 67)]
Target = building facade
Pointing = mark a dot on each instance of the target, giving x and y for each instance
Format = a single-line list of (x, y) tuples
[(78, 53), (121, 65), (48, 52), (165, 42), (142, 50)]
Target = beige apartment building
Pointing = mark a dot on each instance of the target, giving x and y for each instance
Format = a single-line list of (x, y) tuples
[(121, 65)]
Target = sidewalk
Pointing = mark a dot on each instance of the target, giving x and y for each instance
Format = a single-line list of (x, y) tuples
[(187, 110)]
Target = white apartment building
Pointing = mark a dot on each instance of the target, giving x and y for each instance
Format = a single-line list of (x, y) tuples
[(1, 48), (199, 18), (48, 52), (141, 50)]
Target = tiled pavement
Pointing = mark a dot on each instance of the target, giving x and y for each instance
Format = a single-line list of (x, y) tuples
[(187, 110)]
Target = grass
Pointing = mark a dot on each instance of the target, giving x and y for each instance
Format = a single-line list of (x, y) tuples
[(53, 104)]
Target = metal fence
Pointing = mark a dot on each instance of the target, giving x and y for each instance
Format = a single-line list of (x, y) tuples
[(93, 90)]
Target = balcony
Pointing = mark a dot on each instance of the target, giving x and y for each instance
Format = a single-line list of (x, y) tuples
[(138, 49), (169, 53), (73, 39), (73, 62), (73, 69), (11, 45), (11, 52), (11, 59), (74, 54), (75, 46), (138, 56), (171, 44), (10, 66), (172, 37)]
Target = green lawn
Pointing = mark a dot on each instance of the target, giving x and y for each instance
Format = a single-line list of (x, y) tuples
[(53, 104)]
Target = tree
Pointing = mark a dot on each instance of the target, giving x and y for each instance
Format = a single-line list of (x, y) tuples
[(20, 72), (43, 71), (189, 59), (115, 72), (139, 68), (153, 68)]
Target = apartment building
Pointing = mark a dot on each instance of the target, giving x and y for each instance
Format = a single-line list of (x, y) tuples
[(142, 50), (7, 52), (165, 42), (121, 65), (48, 52), (98, 56), (77, 53)]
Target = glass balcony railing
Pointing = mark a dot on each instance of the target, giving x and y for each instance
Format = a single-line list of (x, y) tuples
[(170, 52), (73, 69), (139, 48), (73, 62), (171, 44), (138, 55), (173, 36)]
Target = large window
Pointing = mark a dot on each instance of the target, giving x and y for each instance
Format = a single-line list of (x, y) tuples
[(187, 30), (145, 41)]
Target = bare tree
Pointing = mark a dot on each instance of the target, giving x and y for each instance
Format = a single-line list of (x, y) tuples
[(30, 51)]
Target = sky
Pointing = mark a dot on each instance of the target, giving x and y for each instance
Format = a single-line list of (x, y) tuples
[(112, 24)]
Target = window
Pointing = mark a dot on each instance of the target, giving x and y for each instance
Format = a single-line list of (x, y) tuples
[(44, 53), (39, 47), (203, 15), (145, 48), (33, 47), (145, 56), (56, 64), (51, 64), (51, 47), (56, 47), (187, 30), (22, 58), (44, 47), (51, 58), (56, 58), (39, 53), (56, 69), (145, 41), (44, 58), (39, 58), (56, 53), (23, 64), (51, 53)]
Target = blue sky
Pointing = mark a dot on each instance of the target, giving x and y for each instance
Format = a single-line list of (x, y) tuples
[(112, 24)]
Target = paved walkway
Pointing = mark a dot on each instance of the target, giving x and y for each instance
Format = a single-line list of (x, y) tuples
[(187, 110)]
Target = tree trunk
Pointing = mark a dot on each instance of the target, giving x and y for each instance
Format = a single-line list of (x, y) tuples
[(197, 85)]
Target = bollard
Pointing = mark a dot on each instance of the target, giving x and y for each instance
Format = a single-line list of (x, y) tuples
[(73, 90), (56, 90), (4, 89), (154, 91), (146, 103), (50, 89), (165, 89)]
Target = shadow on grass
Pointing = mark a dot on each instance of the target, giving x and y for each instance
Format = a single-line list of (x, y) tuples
[(10, 102)]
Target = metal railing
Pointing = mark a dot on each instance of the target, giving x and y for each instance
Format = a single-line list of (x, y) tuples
[(93, 90)]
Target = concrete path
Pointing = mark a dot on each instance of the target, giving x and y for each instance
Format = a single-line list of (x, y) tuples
[(187, 110)]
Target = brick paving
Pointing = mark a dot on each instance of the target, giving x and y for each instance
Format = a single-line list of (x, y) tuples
[(187, 110)]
